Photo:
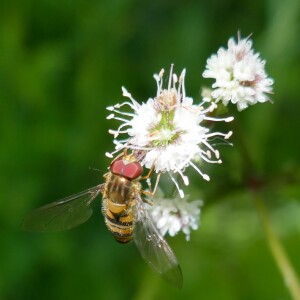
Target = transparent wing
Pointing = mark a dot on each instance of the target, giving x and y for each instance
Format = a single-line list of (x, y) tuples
[(62, 214), (153, 248)]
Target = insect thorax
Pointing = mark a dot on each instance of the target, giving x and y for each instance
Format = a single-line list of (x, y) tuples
[(119, 189)]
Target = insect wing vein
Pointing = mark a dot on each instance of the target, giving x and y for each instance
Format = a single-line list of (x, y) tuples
[(153, 248), (62, 214)]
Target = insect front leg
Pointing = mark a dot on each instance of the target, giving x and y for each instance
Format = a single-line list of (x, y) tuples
[(151, 192)]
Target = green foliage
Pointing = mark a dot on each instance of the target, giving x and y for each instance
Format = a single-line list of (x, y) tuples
[(61, 64)]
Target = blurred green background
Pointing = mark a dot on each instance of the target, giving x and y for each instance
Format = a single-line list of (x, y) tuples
[(61, 63)]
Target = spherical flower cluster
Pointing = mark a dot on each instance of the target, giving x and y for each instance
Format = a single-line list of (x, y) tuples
[(168, 130), (239, 75), (176, 214)]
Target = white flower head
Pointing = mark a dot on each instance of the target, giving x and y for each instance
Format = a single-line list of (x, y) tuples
[(167, 131), (239, 75), (174, 215)]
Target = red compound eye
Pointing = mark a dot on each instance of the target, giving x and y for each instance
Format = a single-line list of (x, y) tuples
[(117, 167), (129, 170), (132, 170)]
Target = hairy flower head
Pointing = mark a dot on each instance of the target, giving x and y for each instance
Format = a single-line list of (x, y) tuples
[(239, 75), (168, 130), (174, 215)]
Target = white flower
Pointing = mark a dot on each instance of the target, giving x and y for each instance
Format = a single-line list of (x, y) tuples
[(167, 131), (177, 214), (239, 75)]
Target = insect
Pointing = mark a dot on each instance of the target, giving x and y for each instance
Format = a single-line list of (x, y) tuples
[(125, 214)]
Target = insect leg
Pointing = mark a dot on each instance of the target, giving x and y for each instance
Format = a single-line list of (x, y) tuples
[(149, 173), (151, 193)]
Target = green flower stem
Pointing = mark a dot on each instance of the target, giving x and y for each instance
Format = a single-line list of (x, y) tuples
[(287, 271), (280, 256)]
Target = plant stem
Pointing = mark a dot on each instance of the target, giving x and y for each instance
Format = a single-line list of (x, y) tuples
[(287, 271)]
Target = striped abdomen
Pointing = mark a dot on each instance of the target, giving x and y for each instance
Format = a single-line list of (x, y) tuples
[(117, 207)]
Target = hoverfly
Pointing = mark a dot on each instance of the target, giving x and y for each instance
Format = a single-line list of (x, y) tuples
[(125, 214)]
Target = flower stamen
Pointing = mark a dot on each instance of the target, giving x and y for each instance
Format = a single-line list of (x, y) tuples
[(168, 130)]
